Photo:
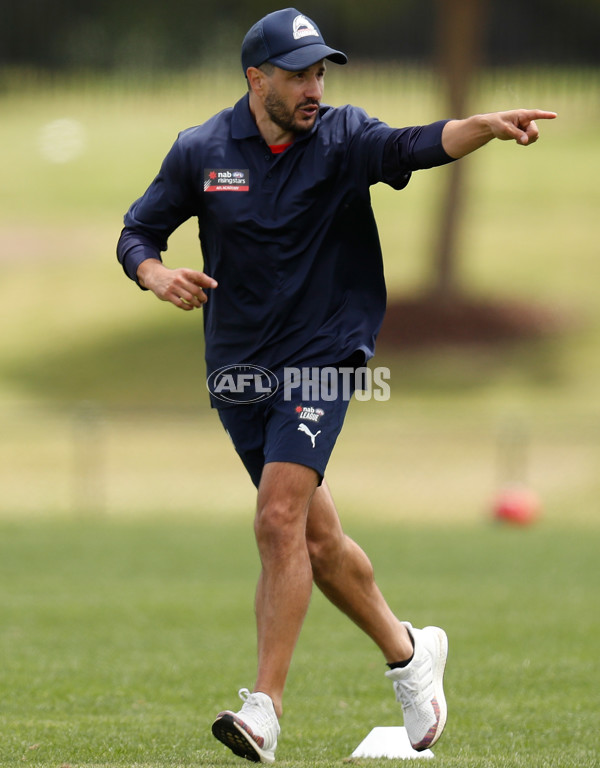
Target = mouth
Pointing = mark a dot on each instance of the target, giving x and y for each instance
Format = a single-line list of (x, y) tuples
[(308, 111)]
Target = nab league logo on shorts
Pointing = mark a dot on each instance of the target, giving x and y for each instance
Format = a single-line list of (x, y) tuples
[(308, 413), (241, 383), (226, 180)]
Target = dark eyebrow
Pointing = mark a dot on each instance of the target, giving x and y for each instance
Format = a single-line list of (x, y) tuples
[(321, 70)]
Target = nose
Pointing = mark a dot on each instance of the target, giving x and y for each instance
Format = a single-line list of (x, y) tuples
[(314, 88)]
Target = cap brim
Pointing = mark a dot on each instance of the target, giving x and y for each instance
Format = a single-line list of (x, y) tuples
[(304, 57)]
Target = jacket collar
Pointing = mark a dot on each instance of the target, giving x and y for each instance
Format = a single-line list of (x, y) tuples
[(243, 125)]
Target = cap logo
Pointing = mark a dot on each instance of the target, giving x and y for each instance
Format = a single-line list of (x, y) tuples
[(303, 28)]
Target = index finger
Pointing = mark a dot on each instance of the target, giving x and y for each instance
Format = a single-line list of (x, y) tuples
[(540, 114), (201, 279)]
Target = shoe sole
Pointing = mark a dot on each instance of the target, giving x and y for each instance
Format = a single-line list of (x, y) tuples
[(439, 666), (230, 730)]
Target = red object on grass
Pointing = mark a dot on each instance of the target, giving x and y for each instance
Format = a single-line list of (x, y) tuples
[(517, 505)]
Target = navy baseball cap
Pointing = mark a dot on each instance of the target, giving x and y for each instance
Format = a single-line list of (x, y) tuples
[(289, 40)]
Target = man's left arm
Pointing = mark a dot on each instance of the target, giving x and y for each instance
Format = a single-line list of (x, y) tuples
[(460, 137)]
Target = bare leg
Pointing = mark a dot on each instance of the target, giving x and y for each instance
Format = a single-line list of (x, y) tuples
[(285, 584), (344, 574)]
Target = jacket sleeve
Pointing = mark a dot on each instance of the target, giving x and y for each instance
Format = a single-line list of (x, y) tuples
[(413, 149), (167, 203)]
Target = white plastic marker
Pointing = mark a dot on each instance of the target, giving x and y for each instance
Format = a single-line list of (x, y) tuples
[(389, 742)]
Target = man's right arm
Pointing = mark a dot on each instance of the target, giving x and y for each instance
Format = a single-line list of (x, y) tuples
[(185, 288), (168, 202), (135, 247)]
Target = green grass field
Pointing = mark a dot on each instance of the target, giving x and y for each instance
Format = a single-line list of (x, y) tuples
[(121, 641), (126, 556)]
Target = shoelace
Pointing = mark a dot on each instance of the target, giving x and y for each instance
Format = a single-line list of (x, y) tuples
[(257, 710), (406, 692)]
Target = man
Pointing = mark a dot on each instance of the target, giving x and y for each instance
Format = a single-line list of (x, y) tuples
[(280, 185)]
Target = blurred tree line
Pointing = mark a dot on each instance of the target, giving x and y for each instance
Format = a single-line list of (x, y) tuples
[(456, 36), (153, 34)]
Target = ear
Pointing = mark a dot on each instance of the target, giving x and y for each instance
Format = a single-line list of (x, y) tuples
[(256, 78)]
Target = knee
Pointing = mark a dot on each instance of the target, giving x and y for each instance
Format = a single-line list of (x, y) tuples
[(278, 526)]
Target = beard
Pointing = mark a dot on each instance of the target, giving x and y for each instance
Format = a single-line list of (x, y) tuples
[(284, 117)]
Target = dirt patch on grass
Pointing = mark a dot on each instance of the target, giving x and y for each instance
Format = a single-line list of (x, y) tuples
[(427, 321)]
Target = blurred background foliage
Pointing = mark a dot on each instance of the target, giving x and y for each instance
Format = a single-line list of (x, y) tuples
[(153, 35)]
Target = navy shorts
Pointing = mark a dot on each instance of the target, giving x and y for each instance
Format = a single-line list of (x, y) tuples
[(299, 425)]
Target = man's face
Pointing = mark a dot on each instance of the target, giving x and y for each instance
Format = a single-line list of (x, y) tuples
[(293, 98)]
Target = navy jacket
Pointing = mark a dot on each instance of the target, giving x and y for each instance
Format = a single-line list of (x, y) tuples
[(290, 238)]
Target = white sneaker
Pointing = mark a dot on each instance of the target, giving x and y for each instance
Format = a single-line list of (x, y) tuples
[(419, 687), (252, 732)]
